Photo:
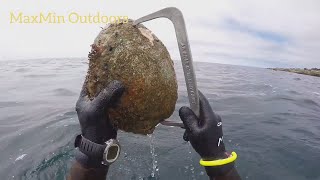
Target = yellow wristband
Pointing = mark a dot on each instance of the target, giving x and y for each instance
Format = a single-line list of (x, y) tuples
[(220, 162)]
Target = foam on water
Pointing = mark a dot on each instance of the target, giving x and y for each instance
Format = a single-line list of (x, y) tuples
[(20, 157)]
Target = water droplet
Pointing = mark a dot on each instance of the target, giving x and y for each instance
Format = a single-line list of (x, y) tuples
[(155, 168)]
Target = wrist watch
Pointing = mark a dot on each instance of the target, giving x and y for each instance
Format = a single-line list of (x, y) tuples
[(108, 152)]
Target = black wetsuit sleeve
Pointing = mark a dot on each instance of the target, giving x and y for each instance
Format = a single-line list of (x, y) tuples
[(231, 175)]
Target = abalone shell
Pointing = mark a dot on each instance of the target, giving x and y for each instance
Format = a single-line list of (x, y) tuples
[(136, 57)]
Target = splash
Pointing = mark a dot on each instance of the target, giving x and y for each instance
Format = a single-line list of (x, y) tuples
[(20, 157), (191, 167), (155, 168)]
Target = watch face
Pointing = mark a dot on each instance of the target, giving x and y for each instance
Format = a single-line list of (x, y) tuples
[(113, 152)]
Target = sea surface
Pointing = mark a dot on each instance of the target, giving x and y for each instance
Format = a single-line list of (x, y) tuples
[(270, 118)]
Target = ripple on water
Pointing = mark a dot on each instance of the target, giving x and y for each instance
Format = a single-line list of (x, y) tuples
[(4, 104), (40, 75), (310, 102), (316, 93), (22, 70), (294, 92), (274, 121), (70, 113), (52, 167), (278, 97), (63, 92), (303, 132)]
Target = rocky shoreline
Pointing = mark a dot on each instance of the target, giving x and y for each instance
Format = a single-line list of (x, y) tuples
[(305, 71)]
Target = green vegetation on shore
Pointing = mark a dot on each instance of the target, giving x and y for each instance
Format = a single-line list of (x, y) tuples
[(310, 72)]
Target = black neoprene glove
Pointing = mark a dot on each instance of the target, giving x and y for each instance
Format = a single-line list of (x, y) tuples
[(94, 119), (205, 135)]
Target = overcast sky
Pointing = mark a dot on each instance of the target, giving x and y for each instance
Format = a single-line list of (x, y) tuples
[(261, 33)]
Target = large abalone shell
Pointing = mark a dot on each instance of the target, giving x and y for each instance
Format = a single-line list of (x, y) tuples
[(136, 57)]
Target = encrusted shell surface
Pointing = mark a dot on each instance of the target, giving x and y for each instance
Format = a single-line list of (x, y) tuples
[(136, 57)]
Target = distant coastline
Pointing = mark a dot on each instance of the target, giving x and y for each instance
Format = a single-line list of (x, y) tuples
[(305, 71)]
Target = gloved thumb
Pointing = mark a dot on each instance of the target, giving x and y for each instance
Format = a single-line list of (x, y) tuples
[(189, 119)]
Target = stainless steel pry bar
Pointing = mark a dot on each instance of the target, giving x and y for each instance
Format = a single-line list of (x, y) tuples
[(177, 19)]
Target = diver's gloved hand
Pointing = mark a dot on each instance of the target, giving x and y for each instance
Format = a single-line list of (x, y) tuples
[(94, 119), (93, 116), (204, 132)]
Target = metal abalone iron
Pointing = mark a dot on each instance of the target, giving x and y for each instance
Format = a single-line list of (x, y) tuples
[(176, 17), (133, 55)]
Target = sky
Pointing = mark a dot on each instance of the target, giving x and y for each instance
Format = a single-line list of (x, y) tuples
[(261, 33)]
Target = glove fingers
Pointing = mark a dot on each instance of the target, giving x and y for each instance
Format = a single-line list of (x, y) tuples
[(206, 112), (189, 119), (109, 96), (84, 90), (83, 98)]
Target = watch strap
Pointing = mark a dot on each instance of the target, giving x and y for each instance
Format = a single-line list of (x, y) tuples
[(90, 148)]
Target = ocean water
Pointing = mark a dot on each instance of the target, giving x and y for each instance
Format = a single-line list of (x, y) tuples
[(271, 119)]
